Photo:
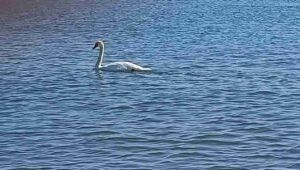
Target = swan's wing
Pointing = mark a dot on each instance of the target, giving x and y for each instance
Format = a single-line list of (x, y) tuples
[(134, 67), (123, 66)]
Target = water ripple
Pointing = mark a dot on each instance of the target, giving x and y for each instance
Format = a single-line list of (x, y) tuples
[(223, 94)]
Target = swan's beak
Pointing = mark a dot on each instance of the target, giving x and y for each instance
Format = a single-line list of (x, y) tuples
[(95, 46)]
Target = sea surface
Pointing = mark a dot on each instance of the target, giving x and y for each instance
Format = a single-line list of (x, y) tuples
[(224, 92)]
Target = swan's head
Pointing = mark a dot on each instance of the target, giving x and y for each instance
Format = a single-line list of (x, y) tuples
[(98, 44)]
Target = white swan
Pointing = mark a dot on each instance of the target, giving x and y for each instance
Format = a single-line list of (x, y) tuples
[(115, 66)]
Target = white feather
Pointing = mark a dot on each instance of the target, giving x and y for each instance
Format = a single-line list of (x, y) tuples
[(116, 66)]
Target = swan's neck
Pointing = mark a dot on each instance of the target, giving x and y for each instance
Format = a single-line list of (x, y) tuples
[(100, 58)]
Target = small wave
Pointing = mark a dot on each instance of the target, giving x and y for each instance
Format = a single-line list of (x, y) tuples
[(122, 107), (263, 92)]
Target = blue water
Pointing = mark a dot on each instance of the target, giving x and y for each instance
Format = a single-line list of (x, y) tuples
[(224, 92)]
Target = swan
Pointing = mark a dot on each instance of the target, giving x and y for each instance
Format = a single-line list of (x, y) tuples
[(115, 66)]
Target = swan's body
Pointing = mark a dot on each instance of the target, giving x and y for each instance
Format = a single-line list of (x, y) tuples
[(115, 66), (123, 66)]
